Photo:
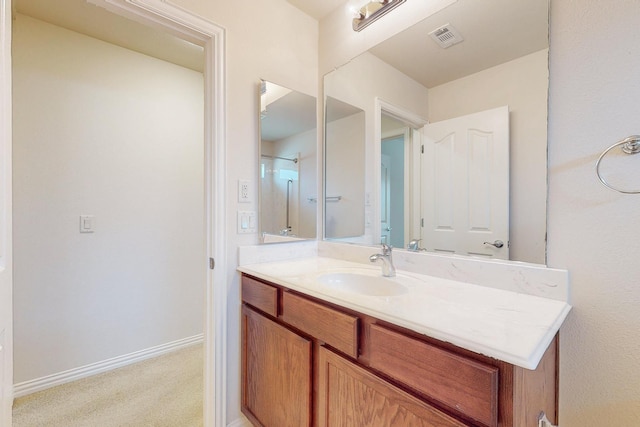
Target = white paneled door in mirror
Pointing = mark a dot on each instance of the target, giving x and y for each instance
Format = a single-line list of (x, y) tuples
[(502, 59), (465, 185)]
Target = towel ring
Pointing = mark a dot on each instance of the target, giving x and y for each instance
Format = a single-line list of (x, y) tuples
[(630, 145)]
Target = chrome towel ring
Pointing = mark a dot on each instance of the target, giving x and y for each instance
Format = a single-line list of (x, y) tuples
[(630, 145)]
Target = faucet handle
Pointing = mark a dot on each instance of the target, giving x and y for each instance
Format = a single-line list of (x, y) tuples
[(414, 245), (386, 249)]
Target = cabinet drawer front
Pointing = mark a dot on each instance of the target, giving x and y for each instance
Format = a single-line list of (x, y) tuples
[(350, 396), (260, 295), (464, 385), (335, 328)]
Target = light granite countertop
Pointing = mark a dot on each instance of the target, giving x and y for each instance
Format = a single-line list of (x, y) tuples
[(510, 326)]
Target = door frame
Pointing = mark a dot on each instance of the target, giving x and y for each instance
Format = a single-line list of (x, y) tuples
[(413, 121), (188, 26), (6, 270)]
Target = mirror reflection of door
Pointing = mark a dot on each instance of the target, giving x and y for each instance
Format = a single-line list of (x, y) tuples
[(392, 200), (385, 199), (466, 184), (396, 174)]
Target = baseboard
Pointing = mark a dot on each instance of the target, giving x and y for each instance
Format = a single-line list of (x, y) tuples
[(240, 422), (38, 384)]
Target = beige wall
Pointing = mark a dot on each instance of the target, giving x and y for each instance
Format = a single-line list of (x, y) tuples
[(94, 135), (522, 85), (594, 232), (274, 41)]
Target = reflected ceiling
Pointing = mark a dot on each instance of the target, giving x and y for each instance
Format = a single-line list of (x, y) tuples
[(517, 28)]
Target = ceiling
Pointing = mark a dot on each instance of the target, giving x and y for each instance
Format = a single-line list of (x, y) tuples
[(288, 115), (85, 18), (494, 32), (318, 9), (91, 20)]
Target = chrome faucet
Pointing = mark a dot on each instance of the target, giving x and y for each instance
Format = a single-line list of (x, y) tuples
[(414, 245), (388, 270), (285, 231)]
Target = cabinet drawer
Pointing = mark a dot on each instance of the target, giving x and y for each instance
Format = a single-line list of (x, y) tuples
[(337, 329), (260, 295), (466, 386)]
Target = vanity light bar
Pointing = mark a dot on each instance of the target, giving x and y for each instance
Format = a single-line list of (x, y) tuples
[(373, 11)]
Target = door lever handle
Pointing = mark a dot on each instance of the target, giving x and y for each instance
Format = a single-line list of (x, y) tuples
[(498, 243)]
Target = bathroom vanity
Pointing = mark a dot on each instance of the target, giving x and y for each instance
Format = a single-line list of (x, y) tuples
[(317, 358)]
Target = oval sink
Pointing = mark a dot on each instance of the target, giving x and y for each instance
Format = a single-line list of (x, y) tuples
[(363, 284)]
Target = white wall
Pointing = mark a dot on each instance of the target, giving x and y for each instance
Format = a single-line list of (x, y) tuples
[(100, 130), (522, 85), (345, 169), (594, 232), (359, 83), (274, 41)]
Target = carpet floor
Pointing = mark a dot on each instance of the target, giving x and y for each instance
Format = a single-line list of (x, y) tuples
[(166, 391)]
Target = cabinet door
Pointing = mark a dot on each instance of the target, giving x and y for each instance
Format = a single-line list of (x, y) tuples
[(351, 396), (276, 373)]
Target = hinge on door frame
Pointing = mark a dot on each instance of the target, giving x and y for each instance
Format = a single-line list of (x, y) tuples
[(212, 263), (421, 222), (422, 148)]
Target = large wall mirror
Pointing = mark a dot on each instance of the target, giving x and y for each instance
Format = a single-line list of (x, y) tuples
[(439, 134), (288, 159)]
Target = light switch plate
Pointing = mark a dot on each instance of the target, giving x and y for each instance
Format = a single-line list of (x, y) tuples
[(87, 224), (246, 222)]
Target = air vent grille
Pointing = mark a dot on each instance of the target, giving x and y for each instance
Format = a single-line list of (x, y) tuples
[(446, 36)]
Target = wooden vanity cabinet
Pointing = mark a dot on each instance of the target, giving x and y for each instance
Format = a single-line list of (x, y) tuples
[(349, 395), (306, 362)]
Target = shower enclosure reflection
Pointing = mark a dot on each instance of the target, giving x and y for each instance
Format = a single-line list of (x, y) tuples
[(288, 198)]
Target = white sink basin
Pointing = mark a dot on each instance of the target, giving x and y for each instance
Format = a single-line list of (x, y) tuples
[(365, 284)]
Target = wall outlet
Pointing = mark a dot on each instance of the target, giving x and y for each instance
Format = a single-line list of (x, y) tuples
[(244, 191)]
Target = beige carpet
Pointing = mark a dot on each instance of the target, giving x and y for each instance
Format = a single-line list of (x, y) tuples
[(164, 391)]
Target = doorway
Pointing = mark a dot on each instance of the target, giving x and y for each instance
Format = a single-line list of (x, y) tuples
[(393, 198), (211, 37)]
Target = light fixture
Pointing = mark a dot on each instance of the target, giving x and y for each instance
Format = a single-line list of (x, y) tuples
[(372, 11)]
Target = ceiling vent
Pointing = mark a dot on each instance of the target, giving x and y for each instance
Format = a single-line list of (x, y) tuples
[(446, 36)]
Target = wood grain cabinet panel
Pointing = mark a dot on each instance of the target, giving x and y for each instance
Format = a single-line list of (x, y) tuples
[(309, 363), (337, 329), (465, 386), (260, 295), (350, 396), (276, 373)]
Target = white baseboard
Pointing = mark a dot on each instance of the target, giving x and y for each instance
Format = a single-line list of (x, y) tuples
[(38, 384), (240, 422)]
